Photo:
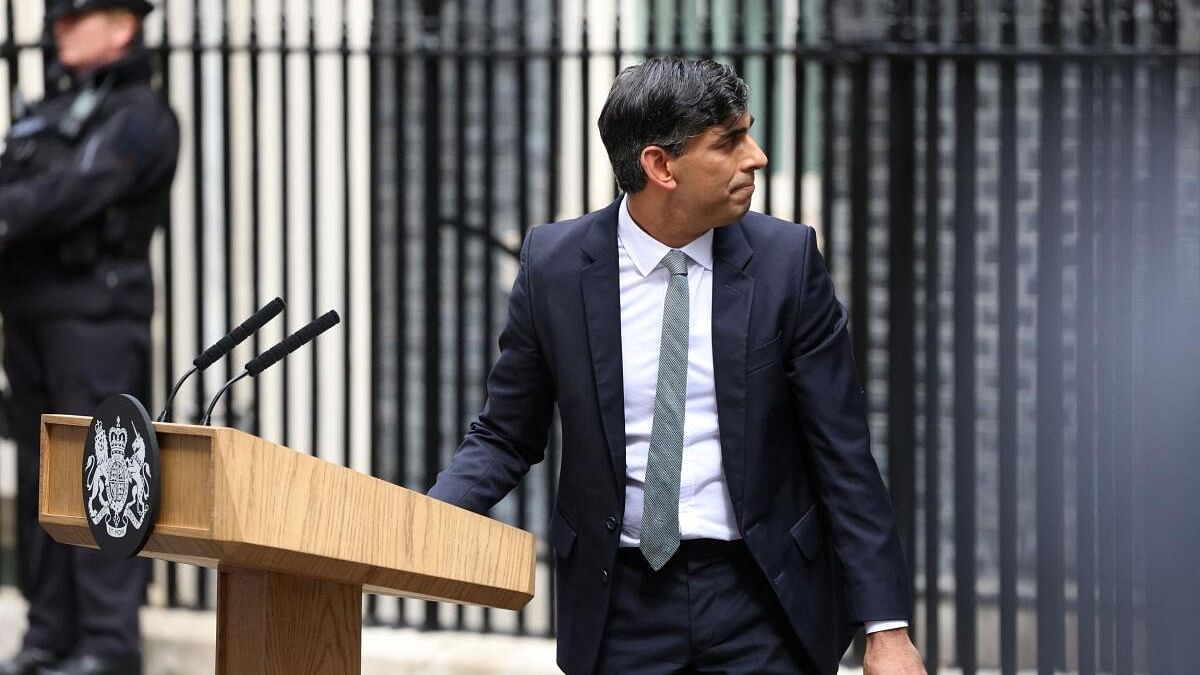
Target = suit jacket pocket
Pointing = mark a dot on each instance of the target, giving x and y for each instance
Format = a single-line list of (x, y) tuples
[(562, 535), (809, 534), (762, 356)]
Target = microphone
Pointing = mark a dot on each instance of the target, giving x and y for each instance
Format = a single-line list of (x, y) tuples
[(237, 335), (225, 345), (268, 358)]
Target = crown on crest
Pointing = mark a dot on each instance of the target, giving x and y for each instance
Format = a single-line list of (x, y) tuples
[(117, 437)]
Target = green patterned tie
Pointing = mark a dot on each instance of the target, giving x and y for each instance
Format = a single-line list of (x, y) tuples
[(660, 509)]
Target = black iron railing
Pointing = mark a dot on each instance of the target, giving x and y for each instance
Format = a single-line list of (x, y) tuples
[(998, 195)]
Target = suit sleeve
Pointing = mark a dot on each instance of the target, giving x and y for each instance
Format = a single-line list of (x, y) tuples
[(111, 164), (832, 411), (510, 433)]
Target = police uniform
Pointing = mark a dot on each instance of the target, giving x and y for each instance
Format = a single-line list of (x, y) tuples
[(84, 180)]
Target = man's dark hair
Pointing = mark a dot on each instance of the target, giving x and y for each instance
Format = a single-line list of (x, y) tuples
[(665, 102)]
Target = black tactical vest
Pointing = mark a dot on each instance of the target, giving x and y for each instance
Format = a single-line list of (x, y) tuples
[(100, 268)]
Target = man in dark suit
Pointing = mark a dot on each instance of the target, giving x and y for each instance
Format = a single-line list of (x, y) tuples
[(718, 505)]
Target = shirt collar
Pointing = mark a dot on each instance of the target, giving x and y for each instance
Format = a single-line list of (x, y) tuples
[(647, 252)]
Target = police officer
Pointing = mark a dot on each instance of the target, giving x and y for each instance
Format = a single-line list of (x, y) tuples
[(84, 179)]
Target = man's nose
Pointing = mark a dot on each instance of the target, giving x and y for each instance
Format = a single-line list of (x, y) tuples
[(757, 158)]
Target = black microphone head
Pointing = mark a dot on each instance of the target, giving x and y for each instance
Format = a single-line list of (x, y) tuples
[(292, 342), (257, 320), (326, 321), (240, 333), (262, 316)]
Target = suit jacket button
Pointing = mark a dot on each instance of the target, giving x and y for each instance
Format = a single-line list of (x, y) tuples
[(611, 523), (603, 577)]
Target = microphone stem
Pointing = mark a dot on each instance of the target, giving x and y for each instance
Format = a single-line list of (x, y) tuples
[(213, 403), (162, 417)]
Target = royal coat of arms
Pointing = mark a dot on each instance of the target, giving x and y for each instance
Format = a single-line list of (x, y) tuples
[(117, 478), (121, 475)]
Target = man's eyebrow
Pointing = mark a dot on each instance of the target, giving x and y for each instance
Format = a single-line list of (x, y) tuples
[(736, 130)]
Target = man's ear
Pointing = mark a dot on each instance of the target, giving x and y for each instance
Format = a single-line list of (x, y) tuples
[(657, 166), (125, 28)]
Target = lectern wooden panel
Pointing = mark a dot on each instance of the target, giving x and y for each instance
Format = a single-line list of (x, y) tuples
[(290, 534)]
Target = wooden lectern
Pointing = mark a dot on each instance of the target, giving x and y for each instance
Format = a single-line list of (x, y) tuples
[(296, 541)]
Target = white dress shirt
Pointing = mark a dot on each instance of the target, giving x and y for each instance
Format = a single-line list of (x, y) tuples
[(705, 509)]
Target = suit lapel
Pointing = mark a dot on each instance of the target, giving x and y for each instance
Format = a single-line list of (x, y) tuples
[(602, 306), (733, 295)]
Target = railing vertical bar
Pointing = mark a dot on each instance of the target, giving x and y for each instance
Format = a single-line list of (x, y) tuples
[(933, 351), (314, 232), (375, 243), (12, 54), (1166, 388), (828, 137), (400, 262), (489, 197), (1086, 351), (523, 211), (460, 240), (198, 225), (859, 252), (226, 206), (901, 310), (651, 28), (523, 196), (799, 119), (739, 37), (432, 288), (585, 127), (860, 215), (677, 24), (617, 54), (255, 51), (1122, 262), (284, 212), (1008, 358), (168, 309), (965, 159), (1106, 349), (768, 134), (1168, 392), (347, 243), (1049, 386), (708, 39)]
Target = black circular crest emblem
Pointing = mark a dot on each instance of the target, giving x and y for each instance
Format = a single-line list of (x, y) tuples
[(121, 476)]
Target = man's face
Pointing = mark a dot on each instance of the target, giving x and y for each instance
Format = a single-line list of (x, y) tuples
[(92, 39), (715, 173)]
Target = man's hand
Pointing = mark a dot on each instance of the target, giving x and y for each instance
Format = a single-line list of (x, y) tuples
[(891, 652)]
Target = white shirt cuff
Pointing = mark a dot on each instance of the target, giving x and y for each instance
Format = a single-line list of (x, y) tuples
[(875, 626)]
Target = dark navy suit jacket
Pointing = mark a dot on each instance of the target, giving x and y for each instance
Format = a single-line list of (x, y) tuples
[(807, 494)]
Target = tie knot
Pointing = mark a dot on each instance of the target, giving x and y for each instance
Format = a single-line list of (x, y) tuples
[(676, 262)]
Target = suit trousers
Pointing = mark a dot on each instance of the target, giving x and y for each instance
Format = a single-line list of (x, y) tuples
[(709, 610), (81, 601)]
